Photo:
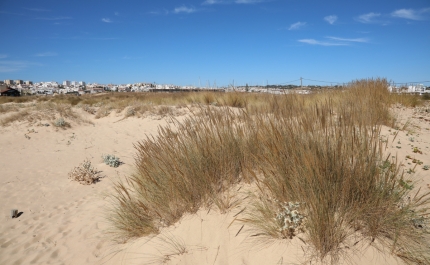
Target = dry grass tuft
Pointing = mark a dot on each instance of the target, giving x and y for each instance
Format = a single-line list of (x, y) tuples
[(182, 170), (328, 157), (36, 112), (85, 173)]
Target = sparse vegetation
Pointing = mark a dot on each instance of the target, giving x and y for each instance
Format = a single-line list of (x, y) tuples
[(289, 219), (111, 160), (85, 173), (34, 113), (60, 122)]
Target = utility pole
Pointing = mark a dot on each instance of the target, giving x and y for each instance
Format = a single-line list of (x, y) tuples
[(301, 84), (199, 82)]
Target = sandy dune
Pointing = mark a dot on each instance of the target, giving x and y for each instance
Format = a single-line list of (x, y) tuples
[(62, 221)]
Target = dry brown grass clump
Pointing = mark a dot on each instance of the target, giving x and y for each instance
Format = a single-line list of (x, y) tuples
[(85, 173), (36, 112), (316, 159), (181, 170), (328, 159), (346, 190)]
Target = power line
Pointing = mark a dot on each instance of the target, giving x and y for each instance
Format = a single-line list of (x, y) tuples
[(334, 82), (412, 82), (288, 82), (323, 81)]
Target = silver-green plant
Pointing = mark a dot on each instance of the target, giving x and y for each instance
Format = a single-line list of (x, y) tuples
[(60, 122), (111, 160), (289, 219), (130, 112)]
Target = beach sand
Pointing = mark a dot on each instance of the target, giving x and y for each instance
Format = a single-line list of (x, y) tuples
[(63, 222)]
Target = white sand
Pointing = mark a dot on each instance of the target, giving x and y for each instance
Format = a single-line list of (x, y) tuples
[(63, 221)]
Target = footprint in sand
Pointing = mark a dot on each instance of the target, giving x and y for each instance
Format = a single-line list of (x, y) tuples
[(7, 244), (97, 251), (55, 254)]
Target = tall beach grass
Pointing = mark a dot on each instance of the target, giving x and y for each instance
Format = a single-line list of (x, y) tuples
[(321, 152)]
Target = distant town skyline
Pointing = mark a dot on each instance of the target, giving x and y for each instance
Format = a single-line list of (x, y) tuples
[(215, 41)]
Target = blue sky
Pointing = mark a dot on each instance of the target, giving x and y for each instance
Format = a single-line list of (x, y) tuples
[(248, 41)]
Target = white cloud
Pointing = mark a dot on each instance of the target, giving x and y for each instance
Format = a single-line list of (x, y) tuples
[(321, 43), (297, 25), (334, 41), (184, 9), (368, 18), (2, 56), (46, 54), (331, 19), (116, 13), (106, 20), (411, 13), (211, 2), (14, 66), (363, 40)]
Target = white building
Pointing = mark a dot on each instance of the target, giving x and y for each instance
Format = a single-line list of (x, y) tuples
[(82, 83), (75, 83), (49, 84), (416, 88), (66, 83)]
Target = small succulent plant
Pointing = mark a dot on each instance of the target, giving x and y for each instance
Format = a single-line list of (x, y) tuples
[(289, 219), (60, 122), (111, 160), (417, 150)]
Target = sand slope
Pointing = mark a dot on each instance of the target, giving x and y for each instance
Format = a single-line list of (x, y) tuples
[(62, 222), (61, 219)]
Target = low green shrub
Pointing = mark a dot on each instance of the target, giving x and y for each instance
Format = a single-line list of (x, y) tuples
[(111, 160)]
